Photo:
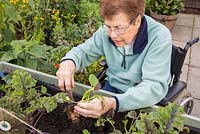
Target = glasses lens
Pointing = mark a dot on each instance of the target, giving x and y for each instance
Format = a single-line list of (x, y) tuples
[(116, 30), (120, 30)]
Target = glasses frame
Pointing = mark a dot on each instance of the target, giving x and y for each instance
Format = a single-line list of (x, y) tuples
[(118, 31)]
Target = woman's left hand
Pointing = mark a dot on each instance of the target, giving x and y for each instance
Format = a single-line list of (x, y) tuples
[(95, 108)]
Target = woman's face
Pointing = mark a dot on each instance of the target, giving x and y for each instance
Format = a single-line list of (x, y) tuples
[(121, 29)]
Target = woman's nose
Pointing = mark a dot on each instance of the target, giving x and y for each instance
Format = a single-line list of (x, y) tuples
[(113, 34)]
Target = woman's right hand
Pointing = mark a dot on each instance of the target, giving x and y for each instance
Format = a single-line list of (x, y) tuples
[(65, 75)]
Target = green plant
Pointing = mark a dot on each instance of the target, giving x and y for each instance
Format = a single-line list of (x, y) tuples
[(23, 97), (88, 13), (29, 54), (101, 122), (167, 119), (55, 55), (88, 96), (164, 120), (148, 7), (167, 7)]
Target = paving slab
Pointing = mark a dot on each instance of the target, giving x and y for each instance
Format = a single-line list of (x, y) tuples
[(181, 33), (197, 21), (185, 20), (195, 56), (196, 110), (193, 83), (184, 73), (196, 32)]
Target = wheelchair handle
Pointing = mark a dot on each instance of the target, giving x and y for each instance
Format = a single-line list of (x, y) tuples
[(190, 43)]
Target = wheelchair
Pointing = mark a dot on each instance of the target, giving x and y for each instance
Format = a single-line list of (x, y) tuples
[(176, 92)]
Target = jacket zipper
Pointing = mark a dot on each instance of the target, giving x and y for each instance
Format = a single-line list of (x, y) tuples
[(123, 64)]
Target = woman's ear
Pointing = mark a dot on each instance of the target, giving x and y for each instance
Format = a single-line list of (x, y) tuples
[(138, 21)]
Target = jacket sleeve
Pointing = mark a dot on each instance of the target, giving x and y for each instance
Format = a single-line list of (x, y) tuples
[(155, 77), (84, 54)]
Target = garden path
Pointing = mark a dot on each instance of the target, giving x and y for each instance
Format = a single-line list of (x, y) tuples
[(186, 27)]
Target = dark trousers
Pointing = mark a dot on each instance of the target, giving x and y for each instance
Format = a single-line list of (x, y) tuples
[(110, 88)]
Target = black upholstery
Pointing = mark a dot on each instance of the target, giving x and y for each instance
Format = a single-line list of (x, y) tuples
[(173, 91), (177, 60), (176, 86)]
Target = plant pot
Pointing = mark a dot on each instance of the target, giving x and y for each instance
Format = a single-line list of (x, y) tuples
[(167, 20)]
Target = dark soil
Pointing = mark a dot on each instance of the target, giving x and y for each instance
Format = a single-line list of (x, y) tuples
[(57, 122)]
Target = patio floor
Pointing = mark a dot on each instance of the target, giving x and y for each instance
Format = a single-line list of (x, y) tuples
[(186, 27)]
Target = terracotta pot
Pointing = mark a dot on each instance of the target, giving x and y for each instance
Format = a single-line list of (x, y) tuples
[(167, 20)]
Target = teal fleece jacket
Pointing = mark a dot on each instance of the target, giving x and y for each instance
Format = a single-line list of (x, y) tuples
[(142, 77)]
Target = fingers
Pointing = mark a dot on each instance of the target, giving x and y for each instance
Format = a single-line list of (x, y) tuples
[(92, 109), (65, 81), (61, 84), (72, 83), (86, 112), (65, 75), (95, 108), (65, 84), (68, 84), (93, 104), (90, 116)]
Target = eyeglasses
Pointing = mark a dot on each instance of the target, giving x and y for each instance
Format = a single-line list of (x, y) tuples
[(118, 29)]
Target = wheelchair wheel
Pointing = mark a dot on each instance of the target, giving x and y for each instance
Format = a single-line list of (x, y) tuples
[(187, 102)]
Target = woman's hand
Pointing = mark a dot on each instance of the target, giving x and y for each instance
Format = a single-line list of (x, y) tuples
[(65, 75), (95, 108)]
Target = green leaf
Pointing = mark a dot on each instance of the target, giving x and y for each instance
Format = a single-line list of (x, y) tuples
[(43, 89), (32, 4), (11, 13), (86, 95), (8, 35), (93, 80), (8, 56), (132, 114), (85, 131), (31, 63), (39, 51), (61, 98)]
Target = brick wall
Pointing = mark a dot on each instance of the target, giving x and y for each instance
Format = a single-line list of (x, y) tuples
[(192, 3)]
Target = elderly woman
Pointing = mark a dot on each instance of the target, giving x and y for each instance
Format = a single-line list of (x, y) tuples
[(137, 50)]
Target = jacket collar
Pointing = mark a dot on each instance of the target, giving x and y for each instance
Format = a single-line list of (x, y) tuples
[(141, 39)]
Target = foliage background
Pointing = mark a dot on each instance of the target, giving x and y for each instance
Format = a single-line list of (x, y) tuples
[(37, 33)]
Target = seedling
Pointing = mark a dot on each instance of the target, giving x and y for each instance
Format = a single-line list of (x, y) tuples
[(87, 96)]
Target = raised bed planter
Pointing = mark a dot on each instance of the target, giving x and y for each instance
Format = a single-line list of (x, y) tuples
[(192, 122)]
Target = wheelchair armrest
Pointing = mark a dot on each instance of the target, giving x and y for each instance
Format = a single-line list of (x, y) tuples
[(103, 63), (173, 91)]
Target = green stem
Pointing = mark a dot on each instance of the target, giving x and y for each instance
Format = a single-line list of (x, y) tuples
[(24, 89), (111, 124), (1, 16)]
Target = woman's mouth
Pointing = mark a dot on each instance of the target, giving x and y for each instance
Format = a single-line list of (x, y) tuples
[(117, 42)]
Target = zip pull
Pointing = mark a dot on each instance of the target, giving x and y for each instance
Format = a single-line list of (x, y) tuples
[(124, 60)]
